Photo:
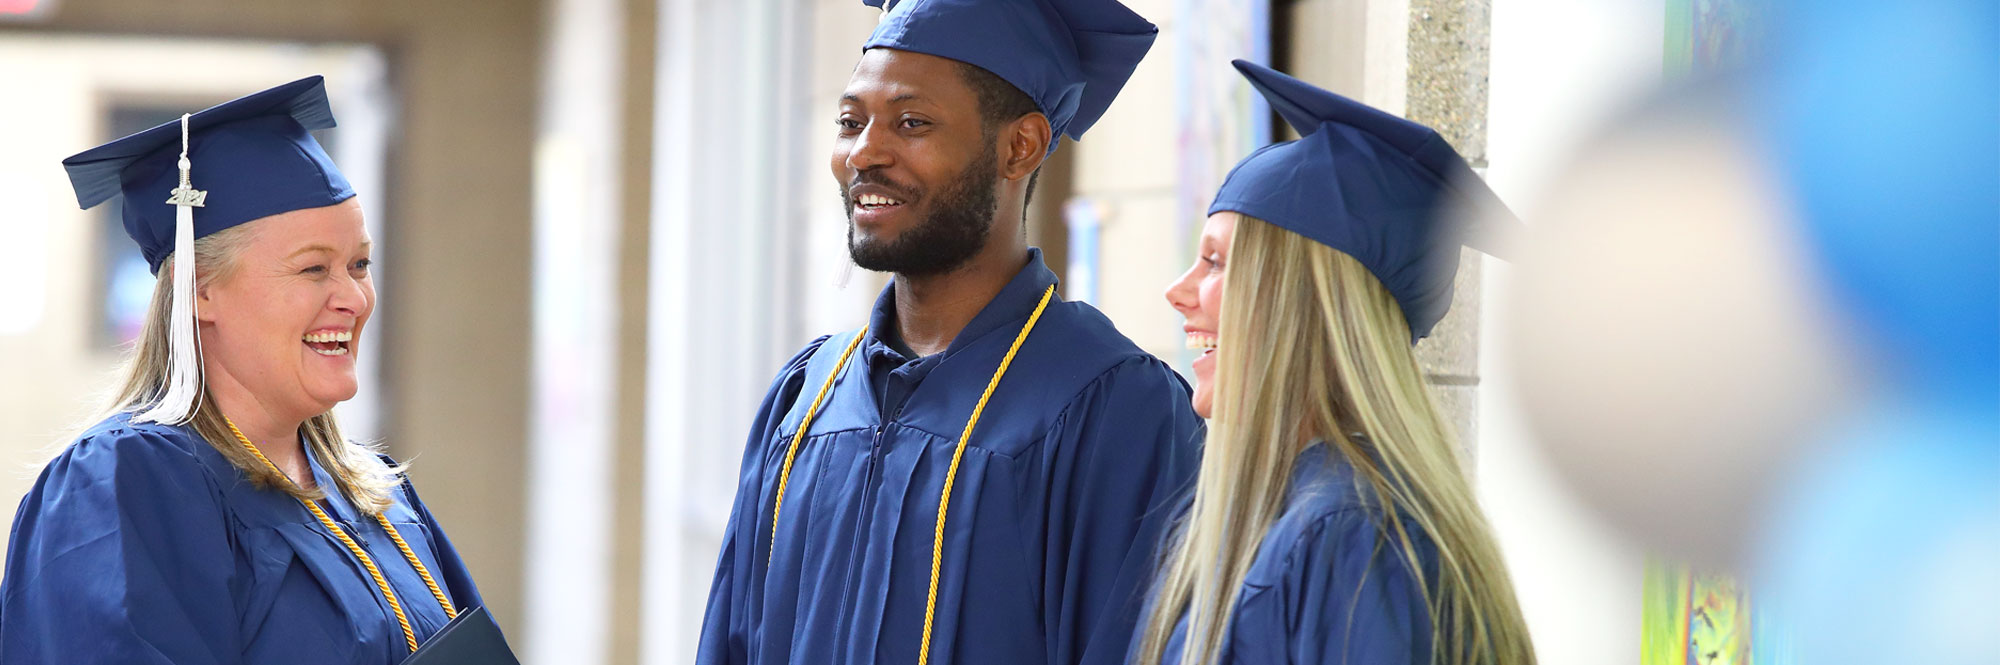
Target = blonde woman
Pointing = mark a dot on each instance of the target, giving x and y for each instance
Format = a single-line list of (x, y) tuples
[(1332, 521), (216, 516)]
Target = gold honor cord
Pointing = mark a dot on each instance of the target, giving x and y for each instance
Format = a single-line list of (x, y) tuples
[(944, 499), (785, 475), (409, 635)]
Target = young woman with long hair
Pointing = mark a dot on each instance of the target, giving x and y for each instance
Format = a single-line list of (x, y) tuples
[(1332, 521)]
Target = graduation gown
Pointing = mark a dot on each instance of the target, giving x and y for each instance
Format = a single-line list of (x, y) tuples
[(1325, 586), (141, 544), (1055, 515)]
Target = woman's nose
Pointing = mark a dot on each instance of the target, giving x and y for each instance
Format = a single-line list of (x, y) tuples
[(351, 298), (1180, 292)]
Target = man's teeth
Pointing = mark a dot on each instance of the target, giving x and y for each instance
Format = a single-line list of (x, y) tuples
[(875, 200), (1200, 341), (335, 351)]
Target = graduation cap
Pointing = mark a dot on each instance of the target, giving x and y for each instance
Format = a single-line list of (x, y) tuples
[(256, 159), (1071, 56), (1386, 191)]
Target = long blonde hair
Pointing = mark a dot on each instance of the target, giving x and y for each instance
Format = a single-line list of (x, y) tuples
[(361, 475), (1312, 348)]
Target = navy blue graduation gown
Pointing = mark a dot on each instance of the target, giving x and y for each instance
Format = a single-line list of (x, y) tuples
[(141, 544), (1054, 520), (1326, 586)]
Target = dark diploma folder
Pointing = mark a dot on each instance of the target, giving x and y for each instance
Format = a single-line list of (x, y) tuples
[(470, 639)]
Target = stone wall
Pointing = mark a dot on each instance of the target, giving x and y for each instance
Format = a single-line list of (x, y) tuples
[(1448, 55)]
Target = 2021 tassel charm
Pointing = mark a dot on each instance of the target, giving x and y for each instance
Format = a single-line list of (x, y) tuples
[(184, 377)]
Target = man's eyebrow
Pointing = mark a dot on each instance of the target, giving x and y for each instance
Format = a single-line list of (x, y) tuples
[(898, 99)]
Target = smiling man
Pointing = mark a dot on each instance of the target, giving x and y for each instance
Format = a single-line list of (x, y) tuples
[(982, 474)]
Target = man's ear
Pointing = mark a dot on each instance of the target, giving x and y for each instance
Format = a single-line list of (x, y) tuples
[(1027, 145)]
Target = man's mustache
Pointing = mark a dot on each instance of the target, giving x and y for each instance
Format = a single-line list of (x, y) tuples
[(893, 189)]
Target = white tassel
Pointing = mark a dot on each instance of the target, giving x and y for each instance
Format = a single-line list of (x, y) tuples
[(184, 377)]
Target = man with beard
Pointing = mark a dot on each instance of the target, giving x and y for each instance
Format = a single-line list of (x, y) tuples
[(982, 474)]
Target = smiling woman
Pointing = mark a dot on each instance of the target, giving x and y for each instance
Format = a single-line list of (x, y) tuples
[(1332, 520), (241, 300), (216, 514), (279, 301)]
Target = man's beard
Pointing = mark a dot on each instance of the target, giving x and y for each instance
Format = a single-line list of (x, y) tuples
[(960, 218)]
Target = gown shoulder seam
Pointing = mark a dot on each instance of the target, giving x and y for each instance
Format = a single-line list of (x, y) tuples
[(1056, 423), (1069, 403), (1312, 532), (171, 444)]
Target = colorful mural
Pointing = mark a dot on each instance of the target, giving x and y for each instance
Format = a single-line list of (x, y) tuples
[(1709, 35), (1697, 618)]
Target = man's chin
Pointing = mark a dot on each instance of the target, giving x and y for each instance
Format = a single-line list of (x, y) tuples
[(869, 258), (877, 250)]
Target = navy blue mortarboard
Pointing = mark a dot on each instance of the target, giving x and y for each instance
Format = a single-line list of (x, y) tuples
[(1071, 56), (255, 160), (253, 157), (1379, 188)]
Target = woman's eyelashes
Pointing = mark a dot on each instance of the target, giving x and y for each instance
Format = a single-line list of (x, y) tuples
[(359, 267)]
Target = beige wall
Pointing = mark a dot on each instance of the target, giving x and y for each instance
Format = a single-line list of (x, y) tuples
[(627, 600), (52, 371), (456, 352)]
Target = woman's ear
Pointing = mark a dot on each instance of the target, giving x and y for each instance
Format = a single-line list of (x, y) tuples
[(202, 297)]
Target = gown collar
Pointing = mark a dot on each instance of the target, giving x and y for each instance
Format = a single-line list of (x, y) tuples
[(1014, 302), (335, 502)]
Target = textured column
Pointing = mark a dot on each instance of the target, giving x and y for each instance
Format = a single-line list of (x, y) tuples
[(1448, 64)]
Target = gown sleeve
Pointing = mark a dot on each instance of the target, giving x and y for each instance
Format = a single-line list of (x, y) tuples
[(121, 553), (1346, 596), (723, 624), (1123, 452)]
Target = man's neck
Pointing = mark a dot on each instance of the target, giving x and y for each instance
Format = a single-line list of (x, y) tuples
[(932, 310)]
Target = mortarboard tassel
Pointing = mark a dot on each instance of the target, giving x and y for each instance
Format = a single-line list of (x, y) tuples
[(183, 390)]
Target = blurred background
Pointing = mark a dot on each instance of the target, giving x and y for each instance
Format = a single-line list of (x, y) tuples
[(602, 224)]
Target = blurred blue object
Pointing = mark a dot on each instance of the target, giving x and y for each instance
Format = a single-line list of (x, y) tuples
[(1884, 118), (1884, 121), (1885, 551)]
